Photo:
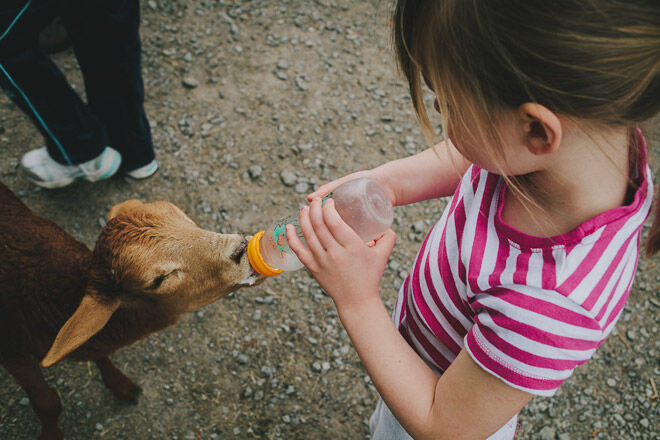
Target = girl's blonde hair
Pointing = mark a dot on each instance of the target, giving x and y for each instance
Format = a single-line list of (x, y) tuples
[(596, 60)]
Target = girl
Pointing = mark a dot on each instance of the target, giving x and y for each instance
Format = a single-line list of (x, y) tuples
[(529, 267)]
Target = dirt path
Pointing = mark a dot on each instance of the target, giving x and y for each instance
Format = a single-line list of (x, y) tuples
[(252, 103)]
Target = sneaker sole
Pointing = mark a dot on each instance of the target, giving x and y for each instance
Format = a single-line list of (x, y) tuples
[(116, 163), (152, 170), (52, 185)]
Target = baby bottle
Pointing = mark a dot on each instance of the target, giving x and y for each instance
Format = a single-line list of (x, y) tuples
[(362, 203)]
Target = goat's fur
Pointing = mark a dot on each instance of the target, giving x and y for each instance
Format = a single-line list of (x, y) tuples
[(58, 299)]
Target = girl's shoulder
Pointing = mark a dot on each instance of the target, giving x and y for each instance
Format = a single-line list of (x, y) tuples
[(486, 193)]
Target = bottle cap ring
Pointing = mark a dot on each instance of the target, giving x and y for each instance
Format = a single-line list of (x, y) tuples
[(257, 260)]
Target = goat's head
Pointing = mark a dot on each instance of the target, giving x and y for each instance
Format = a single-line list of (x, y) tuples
[(153, 255)]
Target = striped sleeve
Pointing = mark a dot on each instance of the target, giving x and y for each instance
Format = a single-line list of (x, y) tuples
[(530, 338)]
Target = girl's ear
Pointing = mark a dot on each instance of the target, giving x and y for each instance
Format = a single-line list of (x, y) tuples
[(542, 128)]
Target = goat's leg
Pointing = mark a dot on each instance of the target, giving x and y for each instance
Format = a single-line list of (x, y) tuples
[(44, 400), (119, 384)]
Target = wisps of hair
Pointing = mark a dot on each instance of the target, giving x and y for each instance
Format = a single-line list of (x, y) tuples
[(596, 60)]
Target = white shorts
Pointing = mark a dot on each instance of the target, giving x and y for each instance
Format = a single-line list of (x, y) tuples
[(384, 426)]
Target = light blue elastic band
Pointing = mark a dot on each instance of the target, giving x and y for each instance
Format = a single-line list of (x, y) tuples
[(36, 113), (11, 25), (16, 19)]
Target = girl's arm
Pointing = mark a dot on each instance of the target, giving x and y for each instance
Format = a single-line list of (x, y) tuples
[(426, 175), (465, 403)]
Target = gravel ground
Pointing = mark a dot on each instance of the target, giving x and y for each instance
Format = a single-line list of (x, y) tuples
[(253, 103)]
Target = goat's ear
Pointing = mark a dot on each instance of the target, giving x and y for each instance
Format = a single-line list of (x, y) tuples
[(91, 316), (122, 207)]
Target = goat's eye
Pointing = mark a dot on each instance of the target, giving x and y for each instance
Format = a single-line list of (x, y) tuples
[(155, 284)]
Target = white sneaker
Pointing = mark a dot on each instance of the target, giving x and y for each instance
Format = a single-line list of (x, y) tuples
[(143, 172), (45, 172)]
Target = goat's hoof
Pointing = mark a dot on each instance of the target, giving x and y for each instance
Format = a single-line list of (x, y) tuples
[(129, 392), (55, 434)]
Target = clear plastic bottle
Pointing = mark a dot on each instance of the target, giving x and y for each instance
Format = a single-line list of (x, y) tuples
[(362, 203)]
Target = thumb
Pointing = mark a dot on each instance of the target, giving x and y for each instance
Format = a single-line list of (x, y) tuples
[(385, 244)]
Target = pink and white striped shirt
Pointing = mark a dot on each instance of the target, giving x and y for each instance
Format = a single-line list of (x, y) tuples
[(527, 309)]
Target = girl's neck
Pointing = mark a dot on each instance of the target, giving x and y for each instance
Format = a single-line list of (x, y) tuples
[(587, 175)]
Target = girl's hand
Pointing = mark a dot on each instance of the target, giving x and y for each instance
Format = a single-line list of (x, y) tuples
[(326, 188), (348, 269)]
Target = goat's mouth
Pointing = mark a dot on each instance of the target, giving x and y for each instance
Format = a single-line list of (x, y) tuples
[(251, 279)]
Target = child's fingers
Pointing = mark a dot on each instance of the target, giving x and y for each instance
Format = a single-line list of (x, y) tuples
[(320, 192), (325, 189), (303, 253), (385, 244), (318, 223), (341, 232), (307, 229)]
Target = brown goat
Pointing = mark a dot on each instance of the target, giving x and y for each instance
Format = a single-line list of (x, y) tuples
[(151, 264)]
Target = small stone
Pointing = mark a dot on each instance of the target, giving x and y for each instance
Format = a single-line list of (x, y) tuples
[(282, 64), (419, 226), (247, 392), (152, 4), (102, 222), (644, 423), (611, 382), (281, 75), (256, 316), (190, 82), (300, 83), (242, 358), (619, 419), (547, 433), (217, 120), (98, 427), (386, 118), (301, 187), (24, 401), (288, 178), (254, 171)]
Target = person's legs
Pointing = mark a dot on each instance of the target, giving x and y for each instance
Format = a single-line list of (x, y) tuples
[(106, 40), (73, 134)]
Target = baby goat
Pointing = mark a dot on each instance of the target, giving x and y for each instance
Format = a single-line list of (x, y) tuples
[(151, 264)]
